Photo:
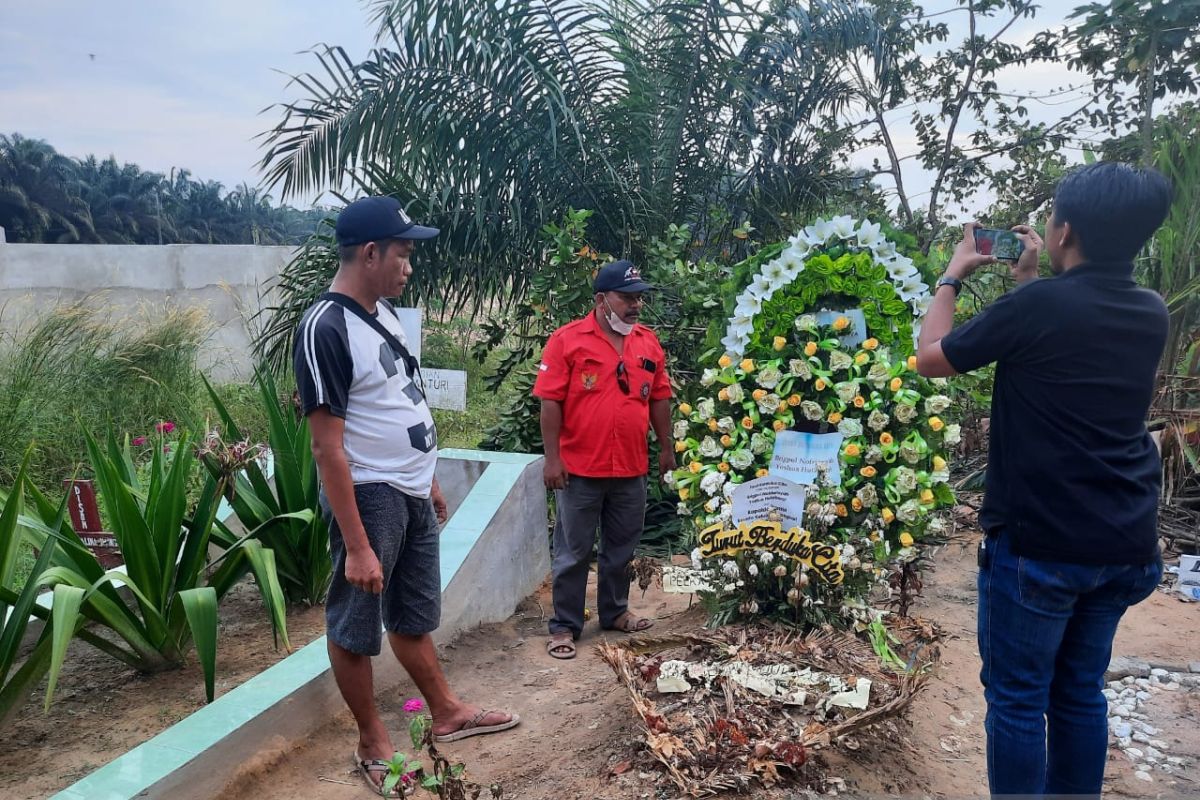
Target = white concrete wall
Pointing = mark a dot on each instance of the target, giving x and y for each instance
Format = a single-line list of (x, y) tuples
[(230, 282)]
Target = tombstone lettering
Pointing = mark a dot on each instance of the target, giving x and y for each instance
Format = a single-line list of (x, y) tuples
[(85, 519)]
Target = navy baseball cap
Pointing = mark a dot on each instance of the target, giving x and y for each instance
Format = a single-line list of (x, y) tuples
[(370, 219), (620, 276)]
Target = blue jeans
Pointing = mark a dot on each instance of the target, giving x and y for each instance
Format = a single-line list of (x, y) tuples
[(1045, 637)]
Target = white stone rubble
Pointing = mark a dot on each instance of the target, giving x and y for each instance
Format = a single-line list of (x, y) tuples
[(1134, 735)]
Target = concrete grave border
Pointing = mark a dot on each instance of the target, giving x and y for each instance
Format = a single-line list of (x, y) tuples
[(494, 554)]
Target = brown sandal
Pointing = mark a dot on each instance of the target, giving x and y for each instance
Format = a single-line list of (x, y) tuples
[(367, 766), (630, 623), (561, 645)]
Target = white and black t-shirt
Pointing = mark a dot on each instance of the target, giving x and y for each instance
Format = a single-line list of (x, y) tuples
[(342, 363)]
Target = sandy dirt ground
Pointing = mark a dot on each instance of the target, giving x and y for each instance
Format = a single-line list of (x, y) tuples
[(103, 708), (579, 739)]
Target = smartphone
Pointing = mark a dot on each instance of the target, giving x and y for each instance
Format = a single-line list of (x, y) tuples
[(1000, 244)]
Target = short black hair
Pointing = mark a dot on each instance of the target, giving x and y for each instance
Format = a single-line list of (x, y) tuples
[(1113, 208), (348, 252)]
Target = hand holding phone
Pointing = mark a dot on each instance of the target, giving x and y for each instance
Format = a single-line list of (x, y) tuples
[(999, 244)]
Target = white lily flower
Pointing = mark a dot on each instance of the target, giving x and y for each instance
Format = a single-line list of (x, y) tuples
[(733, 346), (819, 232), (748, 305), (884, 250), (911, 288), (799, 245), (774, 273), (900, 268), (921, 305), (843, 226), (868, 234), (761, 287)]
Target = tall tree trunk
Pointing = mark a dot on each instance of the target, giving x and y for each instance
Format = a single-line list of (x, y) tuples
[(1148, 101)]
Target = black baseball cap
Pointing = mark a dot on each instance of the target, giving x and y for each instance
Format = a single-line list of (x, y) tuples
[(620, 276), (370, 219)]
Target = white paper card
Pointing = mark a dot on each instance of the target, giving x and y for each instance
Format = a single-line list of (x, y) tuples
[(770, 498), (798, 456)]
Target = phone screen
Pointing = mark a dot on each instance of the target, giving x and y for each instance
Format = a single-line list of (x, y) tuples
[(1001, 244)]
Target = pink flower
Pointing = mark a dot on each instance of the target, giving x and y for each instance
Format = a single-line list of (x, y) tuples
[(413, 705), (138, 441), (164, 427)]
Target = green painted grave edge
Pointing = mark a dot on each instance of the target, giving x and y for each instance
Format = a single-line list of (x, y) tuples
[(149, 762)]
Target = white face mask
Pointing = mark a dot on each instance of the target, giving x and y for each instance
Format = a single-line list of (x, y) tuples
[(619, 325)]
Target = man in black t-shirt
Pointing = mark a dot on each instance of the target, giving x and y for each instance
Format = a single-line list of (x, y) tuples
[(1073, 477)]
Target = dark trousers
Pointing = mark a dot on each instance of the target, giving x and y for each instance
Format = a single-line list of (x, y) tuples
[(617, 506), (1045, 638)]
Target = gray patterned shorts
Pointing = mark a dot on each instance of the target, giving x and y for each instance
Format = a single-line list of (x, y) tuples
[(403, 532)]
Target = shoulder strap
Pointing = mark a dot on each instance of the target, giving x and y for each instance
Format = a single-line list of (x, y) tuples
[(410, 361)]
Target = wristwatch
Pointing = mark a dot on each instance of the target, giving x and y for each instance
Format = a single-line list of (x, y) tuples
[(946, 280)]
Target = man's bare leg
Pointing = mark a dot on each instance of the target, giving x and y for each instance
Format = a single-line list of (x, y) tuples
[(418, 656), (355, 681)]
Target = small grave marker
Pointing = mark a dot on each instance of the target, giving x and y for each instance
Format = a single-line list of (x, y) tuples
[(85, 519)]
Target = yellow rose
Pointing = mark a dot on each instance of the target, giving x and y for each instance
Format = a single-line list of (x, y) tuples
[(835, 418), (885, 438), (820, 384), (747, 365), (887, 515), (939, 464), (936, 423), (810, 349), (912, 363), (694, 467), (726, 440), (841, 509), (723, 466), (712, 425), (861, 359), (762, 473), (870, 344), (867, 471), (758, 394), (724, 361), (852, 450), (723, 395), (793, 400), (926, 496), (680, 447), (779, 343), (778, 425), (683, 493), (906, 539), (856, 504), (896, 384), (747, 423), (841, 323), (859, 401), (685, 409), (874, 537)]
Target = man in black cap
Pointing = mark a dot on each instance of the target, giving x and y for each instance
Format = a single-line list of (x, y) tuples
[(603, 383), (375, 447)]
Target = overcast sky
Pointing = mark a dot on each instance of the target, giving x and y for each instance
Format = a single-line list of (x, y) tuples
[(173, 84)]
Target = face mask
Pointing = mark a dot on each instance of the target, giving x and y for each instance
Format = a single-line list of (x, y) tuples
[(619, 325)]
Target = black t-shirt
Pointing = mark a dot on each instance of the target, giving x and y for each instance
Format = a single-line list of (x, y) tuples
[(1072, 472)]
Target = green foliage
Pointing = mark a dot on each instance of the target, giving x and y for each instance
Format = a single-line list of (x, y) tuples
[(76, 363), (48, 197), (172, 597), (16, 606), (283, 512), (491, 120)]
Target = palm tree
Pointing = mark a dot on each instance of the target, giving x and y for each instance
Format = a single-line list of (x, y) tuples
[(40, 193), (492, 119)]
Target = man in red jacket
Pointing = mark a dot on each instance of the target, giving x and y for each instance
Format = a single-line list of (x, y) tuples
[(603, 383)]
